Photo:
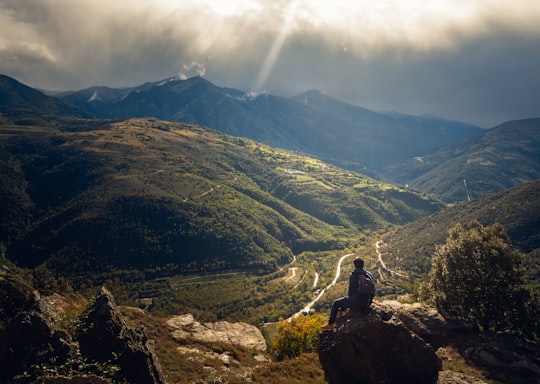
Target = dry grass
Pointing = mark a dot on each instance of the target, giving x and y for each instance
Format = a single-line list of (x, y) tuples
[(197, 365), (305, 369)]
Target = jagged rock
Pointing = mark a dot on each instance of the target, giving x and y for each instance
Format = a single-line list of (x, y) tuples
[(27, 336), (370, 348), (107, 337), (246, 335)]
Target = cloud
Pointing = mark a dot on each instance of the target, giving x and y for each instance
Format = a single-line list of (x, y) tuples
[(195, 68), (469, 60)]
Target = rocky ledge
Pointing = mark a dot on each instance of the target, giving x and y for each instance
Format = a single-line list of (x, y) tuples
[(405, 343), (373, 349), (185, 327)]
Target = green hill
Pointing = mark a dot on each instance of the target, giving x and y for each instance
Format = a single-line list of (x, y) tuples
[(100, 199), (497, 159), (517, 209)]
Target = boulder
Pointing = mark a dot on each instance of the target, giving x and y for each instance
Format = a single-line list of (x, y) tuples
[(376, 347), (424, 321), (107, 337), (17, 295), (184, 327)]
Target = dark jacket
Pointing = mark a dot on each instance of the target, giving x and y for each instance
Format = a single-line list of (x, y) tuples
[(353, 280)]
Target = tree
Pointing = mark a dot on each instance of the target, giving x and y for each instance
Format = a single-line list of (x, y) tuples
[(477, 277), (43, 280)]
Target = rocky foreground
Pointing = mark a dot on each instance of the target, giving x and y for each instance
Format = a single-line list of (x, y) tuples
[(406, 343), (390, 343)]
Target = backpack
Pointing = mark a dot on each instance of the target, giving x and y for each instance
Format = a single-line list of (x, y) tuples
[(365, 284)]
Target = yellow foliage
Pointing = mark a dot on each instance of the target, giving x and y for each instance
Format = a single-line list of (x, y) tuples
[(298, 335)]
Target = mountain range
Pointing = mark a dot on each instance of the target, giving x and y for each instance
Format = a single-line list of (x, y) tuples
[(453, 160), (499, 158), (64, 173), (21, 104), (177, 217), (311, 122)]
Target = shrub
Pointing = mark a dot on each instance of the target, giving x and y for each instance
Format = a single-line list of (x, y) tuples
[(477, 277), (299, 335)]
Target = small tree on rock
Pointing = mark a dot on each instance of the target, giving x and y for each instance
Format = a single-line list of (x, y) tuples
[(477, 277)]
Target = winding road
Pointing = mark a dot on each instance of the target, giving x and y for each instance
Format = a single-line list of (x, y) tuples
[(307, 308), (293, 273), (378, 245)]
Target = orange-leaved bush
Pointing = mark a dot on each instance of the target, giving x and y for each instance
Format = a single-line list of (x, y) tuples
[(298, 335)]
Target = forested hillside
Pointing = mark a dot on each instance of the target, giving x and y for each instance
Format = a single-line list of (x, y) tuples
[(155, 197), (497, 159), (517, 209)]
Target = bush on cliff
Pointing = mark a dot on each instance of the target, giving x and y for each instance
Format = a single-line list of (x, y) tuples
[(477, 277), (297, 336)]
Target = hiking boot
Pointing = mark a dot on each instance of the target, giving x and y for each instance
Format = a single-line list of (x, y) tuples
[(327, 327)]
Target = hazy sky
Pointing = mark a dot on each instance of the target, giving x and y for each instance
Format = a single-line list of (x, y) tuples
[(471, 60)]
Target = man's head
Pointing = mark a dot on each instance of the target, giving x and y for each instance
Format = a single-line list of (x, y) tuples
[(358, 263)]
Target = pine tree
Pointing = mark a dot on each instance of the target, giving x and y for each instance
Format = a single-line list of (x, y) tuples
[(477, 277)]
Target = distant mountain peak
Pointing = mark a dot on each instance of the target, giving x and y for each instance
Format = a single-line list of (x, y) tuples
[(20, 101), (182, 79), (310, 94)]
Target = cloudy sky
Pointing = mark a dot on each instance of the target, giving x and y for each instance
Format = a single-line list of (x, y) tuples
[(472, 60)]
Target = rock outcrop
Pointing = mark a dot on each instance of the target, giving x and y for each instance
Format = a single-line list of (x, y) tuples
[(395, 343), (376, 347), (422, 320), (106, 337), (36, 348), (26, 336), (184, 327)]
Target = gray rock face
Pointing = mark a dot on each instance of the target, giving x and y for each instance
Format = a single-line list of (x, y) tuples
[(422, 320), (517, 358), (33, 344), (373, 349), (392, 343), (107, 337), (242, 334)]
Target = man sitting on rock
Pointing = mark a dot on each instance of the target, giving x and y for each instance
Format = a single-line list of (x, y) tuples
[(360, 294)]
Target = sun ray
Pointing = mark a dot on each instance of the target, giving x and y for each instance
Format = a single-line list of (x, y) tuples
[(275, 50)]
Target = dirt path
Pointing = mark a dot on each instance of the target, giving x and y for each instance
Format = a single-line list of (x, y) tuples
[(307, 308), (378, 245), (293, 273)]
